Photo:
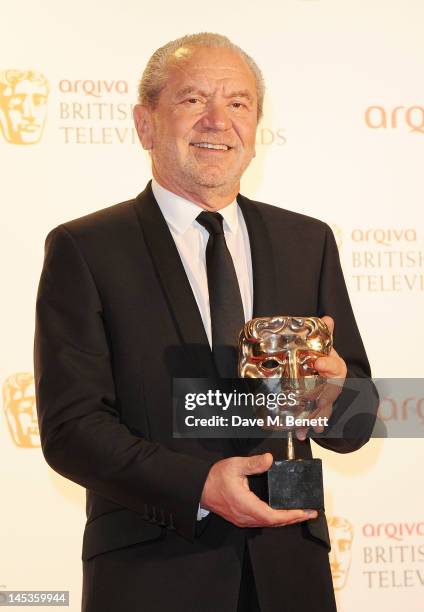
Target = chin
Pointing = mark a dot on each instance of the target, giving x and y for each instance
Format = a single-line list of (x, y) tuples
[(205, 182), (213, 179)]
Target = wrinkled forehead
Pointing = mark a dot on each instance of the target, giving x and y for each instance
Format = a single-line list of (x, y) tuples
[(208, 68)]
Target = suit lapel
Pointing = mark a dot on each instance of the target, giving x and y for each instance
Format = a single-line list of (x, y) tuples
[(176, 286), (174, 282), (265, 303)]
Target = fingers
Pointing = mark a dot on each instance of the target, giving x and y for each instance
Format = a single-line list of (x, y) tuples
[(301, 433), (324, 411), (334, 368), (311, 515), (329, 321), (226, 492), (253, 512), (331, 366), (256, 464), (329, 392)]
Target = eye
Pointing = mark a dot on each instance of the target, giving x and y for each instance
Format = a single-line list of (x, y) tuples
[(15, 101), (237, 105), (344, 545), (270, 364), (39, 99), (193, 101)]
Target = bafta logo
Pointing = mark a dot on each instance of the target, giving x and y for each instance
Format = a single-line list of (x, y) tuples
[(20, 410), (23, 105), (341, 537)]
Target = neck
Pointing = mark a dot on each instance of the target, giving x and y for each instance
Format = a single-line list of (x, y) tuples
[(208, 198)]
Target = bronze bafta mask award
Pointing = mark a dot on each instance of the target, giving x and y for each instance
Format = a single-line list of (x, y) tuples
[(279, 354)]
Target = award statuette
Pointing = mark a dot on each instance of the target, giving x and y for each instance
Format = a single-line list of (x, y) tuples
[(281, 351)]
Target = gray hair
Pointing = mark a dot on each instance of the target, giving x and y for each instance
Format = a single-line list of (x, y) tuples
[(154, 76)]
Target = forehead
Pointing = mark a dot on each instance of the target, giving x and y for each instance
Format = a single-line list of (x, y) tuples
[(30, 87), (209, 67), (300, 337), (24, 390)]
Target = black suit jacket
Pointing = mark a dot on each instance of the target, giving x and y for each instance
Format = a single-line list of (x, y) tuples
[(117, 320)]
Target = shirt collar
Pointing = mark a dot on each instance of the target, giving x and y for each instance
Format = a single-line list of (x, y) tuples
[(180, 213)]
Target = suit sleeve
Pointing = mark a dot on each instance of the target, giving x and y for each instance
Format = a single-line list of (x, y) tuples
[(357, 405), (82, 437)]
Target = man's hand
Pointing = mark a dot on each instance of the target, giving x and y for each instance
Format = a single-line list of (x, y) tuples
[(334, 369), (226, 492)]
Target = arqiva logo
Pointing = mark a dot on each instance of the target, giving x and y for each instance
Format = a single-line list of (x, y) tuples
[(407, 117), (394, 531), (96, 88)]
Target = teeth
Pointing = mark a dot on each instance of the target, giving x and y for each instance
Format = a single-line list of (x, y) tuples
[(207, 145)]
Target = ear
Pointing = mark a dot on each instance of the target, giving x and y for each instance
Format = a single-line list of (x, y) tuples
[(144, 125)]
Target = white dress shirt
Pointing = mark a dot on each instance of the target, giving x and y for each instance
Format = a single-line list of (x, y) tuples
[(191, 239)]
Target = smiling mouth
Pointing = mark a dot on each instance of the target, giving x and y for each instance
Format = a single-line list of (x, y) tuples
[(210, 145)]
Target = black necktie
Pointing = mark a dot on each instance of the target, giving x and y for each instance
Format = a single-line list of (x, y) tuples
[(226, 306)]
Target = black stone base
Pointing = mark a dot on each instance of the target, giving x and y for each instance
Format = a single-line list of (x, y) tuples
[(296, 484)]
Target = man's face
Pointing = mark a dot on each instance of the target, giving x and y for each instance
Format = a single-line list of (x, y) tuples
[(25, 112), (202, 132)]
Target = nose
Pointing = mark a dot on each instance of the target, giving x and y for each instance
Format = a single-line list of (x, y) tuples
[(28, 108), (216, 117), (334, 561), (292, 363)]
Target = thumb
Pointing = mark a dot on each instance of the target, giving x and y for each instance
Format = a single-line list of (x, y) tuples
[(329, 321), (257, 464)]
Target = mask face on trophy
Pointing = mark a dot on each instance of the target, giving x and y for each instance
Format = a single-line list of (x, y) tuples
[(281, 351), (277, 356), (282, 347)]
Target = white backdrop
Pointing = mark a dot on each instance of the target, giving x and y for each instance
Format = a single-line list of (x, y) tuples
[(342, 139)]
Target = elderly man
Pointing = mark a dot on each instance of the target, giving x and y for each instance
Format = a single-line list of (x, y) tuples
[(151, 289)]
